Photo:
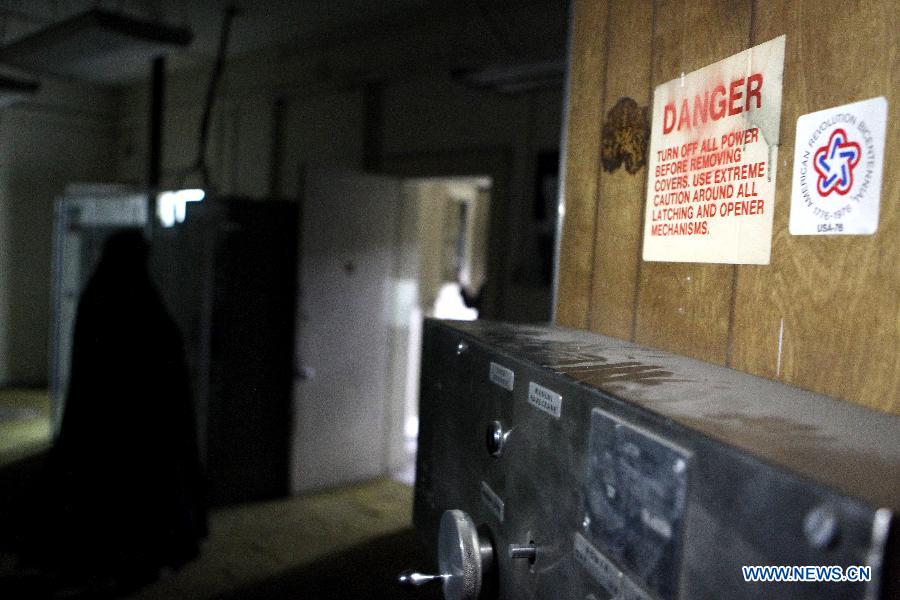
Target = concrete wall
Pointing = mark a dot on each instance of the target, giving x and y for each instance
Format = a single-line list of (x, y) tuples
[(65, 134)]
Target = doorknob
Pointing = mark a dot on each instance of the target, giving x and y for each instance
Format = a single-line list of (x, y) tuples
[(305, 372), (465, 556)]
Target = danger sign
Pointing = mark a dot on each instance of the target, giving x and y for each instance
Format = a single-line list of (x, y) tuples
[(712, 161)]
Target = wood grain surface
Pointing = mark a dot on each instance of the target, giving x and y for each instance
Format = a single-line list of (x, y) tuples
[(620, 206), (825, 314), (584, 114), (685, 307)]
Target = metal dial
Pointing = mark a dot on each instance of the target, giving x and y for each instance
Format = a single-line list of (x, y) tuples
[(463, 556)]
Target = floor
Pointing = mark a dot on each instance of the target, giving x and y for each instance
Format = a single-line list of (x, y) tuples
[(347, 543), (343, 544), (24, 423)]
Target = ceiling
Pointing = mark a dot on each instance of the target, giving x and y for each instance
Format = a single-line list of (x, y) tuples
[(261, 23), (265, 23)]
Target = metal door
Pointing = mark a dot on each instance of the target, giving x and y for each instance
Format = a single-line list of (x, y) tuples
[(346, 257)]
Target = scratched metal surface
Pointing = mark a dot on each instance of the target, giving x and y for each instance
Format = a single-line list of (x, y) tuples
[(747, 496), (846, 446)]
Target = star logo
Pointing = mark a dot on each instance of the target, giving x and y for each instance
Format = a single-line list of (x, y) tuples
[(834, 162)]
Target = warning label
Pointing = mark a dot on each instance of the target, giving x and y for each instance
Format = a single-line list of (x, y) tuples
[(712, 160)]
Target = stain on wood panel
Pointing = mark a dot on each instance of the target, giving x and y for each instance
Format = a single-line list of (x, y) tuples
[(686, 308), (621, 187), (825, 315), (586, 74)]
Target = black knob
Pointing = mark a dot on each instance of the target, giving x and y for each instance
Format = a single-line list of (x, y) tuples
[(495, 438)]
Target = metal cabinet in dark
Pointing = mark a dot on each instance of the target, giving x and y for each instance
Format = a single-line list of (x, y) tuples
[(228, 273)]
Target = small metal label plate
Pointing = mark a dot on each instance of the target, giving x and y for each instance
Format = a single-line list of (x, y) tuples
[(547, 400), (606, 573), (490, 499), (600, 567), (502, 376), (635, 495)]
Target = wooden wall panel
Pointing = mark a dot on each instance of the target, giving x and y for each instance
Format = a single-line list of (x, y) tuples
[(684, 307), (824, 315), (586, 84), (620, 206)]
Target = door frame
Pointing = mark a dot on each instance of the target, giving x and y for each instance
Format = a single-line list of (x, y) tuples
[(491, 161)]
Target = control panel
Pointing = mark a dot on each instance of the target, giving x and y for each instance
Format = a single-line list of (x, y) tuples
[(560, 464)]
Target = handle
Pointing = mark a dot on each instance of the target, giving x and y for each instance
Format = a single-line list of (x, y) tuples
[(411, 579), (464, 557)]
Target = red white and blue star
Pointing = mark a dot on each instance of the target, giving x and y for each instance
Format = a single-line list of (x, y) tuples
[(834, 162)]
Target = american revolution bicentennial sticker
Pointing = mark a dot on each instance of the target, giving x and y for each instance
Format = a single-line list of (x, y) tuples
[(838, 164)]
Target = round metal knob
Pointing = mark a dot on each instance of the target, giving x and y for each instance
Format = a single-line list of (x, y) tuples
[(495, 438), (464, 557)]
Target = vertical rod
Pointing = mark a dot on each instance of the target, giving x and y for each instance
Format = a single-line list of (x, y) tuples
[(563, 148), (154, 164), (373, 126), (277, 149)]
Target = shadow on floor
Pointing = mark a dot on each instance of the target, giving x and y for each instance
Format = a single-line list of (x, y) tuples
[(365, 571), (20, 494), (258, 550), (21, 528)]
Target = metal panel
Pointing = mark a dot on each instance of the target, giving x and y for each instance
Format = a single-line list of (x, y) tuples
[(343, 317), (635, 493), (716, 469)]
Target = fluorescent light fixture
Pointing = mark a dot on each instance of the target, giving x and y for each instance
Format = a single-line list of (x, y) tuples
[(171, 207), (97, 45), (515, 79)]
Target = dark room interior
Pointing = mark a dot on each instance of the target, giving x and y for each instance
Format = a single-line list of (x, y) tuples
[(301, 159), (474, 300)]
